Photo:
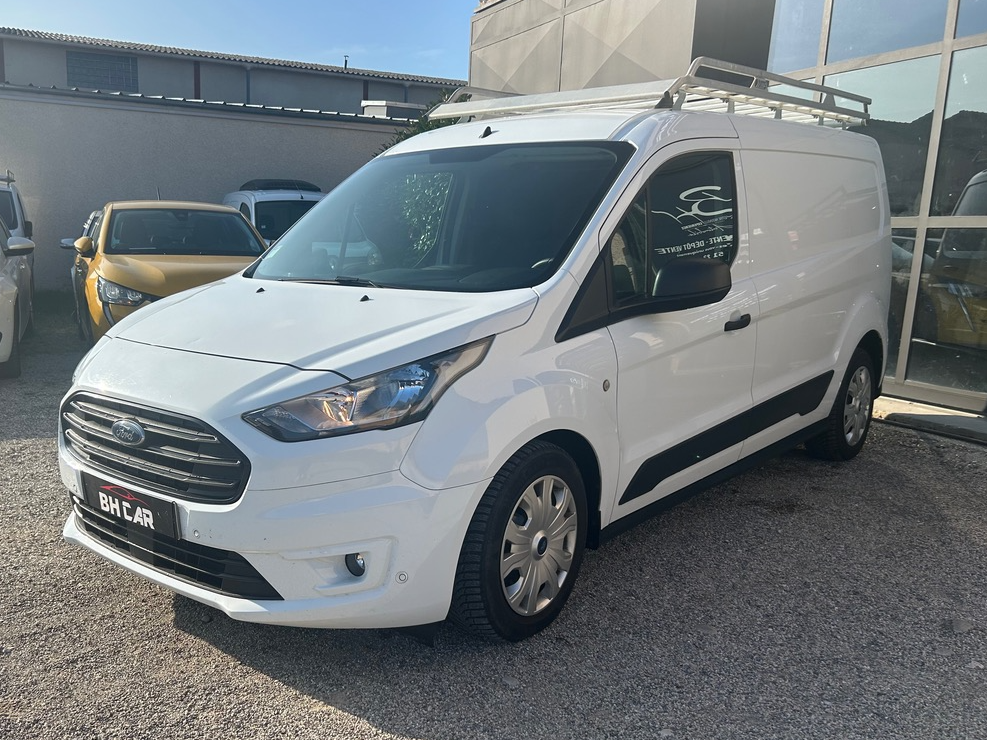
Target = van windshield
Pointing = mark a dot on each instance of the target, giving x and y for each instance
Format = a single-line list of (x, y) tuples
[(476, 219)]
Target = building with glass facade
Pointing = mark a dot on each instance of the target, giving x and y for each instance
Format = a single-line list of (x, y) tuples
[(922, 62)]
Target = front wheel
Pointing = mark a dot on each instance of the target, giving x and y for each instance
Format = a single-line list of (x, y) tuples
[(849, 420), (524, 546)]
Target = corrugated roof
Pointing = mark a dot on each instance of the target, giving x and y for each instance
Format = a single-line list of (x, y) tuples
[(21, 33), (211, 105)]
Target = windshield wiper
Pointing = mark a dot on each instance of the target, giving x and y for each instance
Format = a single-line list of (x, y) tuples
[(338, 280)]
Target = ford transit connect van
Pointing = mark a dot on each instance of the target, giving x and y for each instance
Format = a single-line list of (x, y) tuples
[(584, 307)]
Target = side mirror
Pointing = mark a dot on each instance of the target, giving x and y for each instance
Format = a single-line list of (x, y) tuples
[(18, 245), (84, 246), (688, 282)]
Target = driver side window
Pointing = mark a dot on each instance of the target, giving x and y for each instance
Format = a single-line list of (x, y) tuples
[(687, 209)]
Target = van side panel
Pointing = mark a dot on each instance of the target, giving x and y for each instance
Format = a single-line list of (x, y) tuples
[(820, 248)]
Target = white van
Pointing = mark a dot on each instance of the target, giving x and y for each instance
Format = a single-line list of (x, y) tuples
[(12, 208), (272, 206), (584, 307)]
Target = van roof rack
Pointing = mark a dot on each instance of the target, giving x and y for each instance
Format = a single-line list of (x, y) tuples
[(8, 178), (748, 92)]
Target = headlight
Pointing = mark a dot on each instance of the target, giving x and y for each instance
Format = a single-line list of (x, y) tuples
[(402, 395), (112, 293)]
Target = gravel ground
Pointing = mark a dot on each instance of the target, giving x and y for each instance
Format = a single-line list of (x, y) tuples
[(802, 600)]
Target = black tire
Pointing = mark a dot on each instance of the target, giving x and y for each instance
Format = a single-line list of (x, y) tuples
[(11, 368), (849, 421), (538, 472)]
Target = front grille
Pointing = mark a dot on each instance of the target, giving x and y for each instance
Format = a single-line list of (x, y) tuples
[(217, 570), (181, 456)]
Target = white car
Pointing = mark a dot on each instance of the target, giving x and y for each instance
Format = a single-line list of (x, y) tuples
[(16, 298), (578, 316)]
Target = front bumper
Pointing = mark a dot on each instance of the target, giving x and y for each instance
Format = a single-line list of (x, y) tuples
[(297, 539)]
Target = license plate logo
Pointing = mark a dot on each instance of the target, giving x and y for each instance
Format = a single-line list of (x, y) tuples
[(141, 512), (122, 504)]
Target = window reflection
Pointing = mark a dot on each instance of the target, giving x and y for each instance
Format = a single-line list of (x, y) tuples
[(972, 18), (963, 143), (903, 96), (860, 29), (795, 35), (902, 249), (949, 337)]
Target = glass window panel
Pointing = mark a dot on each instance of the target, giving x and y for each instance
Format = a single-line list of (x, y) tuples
[(972, 18), (859, 29), (903, 97), (949, 336), (795, 35), (963, 143), (902, 249), (101, 71)]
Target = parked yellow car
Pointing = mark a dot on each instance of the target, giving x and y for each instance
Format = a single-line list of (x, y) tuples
[(145, 250)]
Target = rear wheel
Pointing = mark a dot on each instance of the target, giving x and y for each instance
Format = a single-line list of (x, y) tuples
[(524, 546), (11, 368), (849, 421)]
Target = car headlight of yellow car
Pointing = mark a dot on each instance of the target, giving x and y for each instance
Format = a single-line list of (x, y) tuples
[(117, 294), (395, 397)]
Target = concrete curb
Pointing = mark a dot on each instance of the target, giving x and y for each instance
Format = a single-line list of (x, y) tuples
[(933, 419)]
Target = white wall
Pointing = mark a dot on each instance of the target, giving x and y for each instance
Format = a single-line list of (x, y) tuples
[(71, 155)]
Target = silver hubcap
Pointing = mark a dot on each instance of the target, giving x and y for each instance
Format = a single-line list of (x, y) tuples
[(856, 412), (538, 545)]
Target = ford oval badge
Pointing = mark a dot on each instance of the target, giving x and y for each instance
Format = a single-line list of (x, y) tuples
[(129, 432)]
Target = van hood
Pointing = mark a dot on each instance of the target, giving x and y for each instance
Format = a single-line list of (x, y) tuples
[(165, 274), (352, 331)]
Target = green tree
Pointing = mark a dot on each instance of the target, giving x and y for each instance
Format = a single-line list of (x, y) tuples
[(420, 125)]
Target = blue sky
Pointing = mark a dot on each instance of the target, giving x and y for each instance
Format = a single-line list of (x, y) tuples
[(418, 37)]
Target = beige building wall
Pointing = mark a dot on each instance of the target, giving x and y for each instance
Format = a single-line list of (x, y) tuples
[(225, 82), (33, 63), (529, 46), (317, 92), (42, 63), (173, 78), (71, 155)]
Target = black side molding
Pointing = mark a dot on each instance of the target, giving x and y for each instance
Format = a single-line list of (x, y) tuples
[(801, 400), (630, 521)]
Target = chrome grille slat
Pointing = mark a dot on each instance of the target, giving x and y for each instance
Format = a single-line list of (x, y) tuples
[(180, 456), (149, 424), (176, 454), (137, 462), (173, 453)]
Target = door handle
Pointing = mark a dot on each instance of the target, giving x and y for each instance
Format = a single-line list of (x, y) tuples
[(740, 322)]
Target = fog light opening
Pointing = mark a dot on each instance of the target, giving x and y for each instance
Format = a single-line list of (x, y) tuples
[(355, 564)]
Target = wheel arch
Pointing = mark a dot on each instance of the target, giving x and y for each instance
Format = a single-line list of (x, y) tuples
[(872, 344), (585, 457)]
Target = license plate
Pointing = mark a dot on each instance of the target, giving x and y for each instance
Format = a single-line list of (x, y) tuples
[(137, 510)]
